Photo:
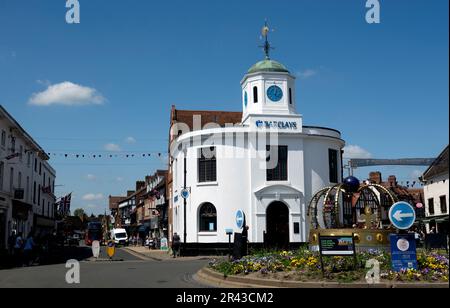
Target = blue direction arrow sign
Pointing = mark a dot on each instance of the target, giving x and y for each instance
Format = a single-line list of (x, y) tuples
[(240, 219), (402, 215), (185, 193)]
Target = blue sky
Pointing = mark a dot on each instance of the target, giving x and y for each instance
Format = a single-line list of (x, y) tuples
[(384, 86)]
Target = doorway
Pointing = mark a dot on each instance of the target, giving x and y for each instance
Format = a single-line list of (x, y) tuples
[(277, 225)]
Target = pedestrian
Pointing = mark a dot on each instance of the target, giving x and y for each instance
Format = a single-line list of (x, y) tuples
[(433, 230), (176, 244), (18, 245), (245, 241), (28, 250), (11, 242)]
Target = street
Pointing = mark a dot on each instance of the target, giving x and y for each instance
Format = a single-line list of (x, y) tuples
[(126, 270)]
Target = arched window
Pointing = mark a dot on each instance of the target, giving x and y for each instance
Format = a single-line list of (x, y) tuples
[(290, 96), (208, 218), (255, 94)]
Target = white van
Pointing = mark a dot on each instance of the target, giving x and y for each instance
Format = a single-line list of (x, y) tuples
[(119, 236)]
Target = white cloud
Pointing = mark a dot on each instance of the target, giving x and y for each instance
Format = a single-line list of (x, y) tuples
[(68, 94), (91, 177), (112, 147), (119, 179), (44, 82), (92, 197), (91, 206), (307, 73), (130, 140), (355, 151)]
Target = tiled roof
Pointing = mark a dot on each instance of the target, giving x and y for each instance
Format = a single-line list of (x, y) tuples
[(438, 167), (207, 116)]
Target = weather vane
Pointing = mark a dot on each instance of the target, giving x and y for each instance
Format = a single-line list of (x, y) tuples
[(265, 33)]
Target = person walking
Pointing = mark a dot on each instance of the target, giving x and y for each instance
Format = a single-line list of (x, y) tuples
[(176, 241), (18, 245), (28, 252)]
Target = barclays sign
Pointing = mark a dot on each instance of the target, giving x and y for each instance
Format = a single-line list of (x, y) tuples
[(276, 124)]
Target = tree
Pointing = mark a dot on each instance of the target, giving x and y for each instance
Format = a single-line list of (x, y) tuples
[(79, 212)]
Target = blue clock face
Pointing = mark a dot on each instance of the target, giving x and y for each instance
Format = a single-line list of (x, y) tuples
[(245, 98), (274, 93)]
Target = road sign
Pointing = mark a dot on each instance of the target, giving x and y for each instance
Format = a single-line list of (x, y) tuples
[(240, 219), (185, 193), (403, 251), (111, 249), (402, 215), (95, 249)]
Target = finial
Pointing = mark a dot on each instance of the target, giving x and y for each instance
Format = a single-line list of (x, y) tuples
[(265, 33)]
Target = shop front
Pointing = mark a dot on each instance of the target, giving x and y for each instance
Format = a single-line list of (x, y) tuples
[(20, 213), (43, 225)]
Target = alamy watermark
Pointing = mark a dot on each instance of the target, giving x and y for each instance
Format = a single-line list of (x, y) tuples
[(373, 274), (73, 12), (373, 14), (73, 274)]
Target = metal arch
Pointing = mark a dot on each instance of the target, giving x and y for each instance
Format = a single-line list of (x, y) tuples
[(377, 202), (336, 203), (393, 197), (313, 206), (327, 194)]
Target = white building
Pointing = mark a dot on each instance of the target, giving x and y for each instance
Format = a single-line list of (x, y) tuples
[(26, 182), (227, 170), (435, 192)]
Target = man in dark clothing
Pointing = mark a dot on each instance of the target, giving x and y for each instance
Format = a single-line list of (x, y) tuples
[(176, 244), (11, 243)]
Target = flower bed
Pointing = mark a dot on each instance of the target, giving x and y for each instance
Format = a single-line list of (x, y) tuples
[(304, 265)]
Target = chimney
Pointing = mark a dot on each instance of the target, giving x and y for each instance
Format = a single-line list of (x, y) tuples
[(139, 185), (392, 180), (375, 177), (130, 192)]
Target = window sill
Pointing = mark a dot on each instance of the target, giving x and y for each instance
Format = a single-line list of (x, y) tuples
[(268, 183), (207, 233), (208, 184)]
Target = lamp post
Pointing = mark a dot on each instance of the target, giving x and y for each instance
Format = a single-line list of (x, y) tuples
[(184, 204)]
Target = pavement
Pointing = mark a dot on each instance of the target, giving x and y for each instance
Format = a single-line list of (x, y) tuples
[(160, 255)]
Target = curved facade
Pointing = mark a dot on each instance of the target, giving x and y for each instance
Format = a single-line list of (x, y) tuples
[(267, 167)]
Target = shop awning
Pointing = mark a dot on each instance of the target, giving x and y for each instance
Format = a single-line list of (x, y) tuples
[(440, 218)]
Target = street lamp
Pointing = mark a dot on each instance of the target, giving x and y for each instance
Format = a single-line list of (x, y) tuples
[(184, 203)]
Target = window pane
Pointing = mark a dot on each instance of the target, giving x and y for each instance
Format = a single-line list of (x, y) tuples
[(279, 173), (207, 167), (332, 160)]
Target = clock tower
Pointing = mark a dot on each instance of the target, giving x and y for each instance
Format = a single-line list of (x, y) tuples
[(268, 88)]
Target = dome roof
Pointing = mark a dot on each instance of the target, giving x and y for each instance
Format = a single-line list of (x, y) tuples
[(268, 65)]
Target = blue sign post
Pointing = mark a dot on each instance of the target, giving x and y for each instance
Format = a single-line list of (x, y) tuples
[(402, 215), (403, 251), (240, 219)]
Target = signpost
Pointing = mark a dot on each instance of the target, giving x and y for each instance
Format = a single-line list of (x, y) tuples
[(343, 245), (110, 249), (403, 251), (229, 232), (402, 215), (185, 193), (403, 245)]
